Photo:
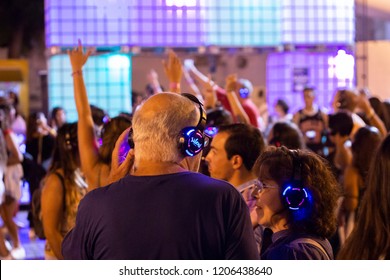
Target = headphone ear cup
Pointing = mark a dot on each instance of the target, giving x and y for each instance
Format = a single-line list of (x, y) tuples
[(294, 195), (191, 141), (244, 92)]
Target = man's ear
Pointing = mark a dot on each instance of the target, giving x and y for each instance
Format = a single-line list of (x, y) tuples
[(236, 161)]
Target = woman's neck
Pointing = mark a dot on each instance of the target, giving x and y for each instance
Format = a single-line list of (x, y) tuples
[(280, 225), (311, 108)]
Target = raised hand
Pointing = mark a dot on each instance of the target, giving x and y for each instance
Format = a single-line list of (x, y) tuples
[(173, 68), (78, 58), (152, 76), (231, 83), (120, 170), (363, 103), (210, 96)]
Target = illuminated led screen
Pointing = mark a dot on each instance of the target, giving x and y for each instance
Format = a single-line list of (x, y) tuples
[(318, 22), (289, 73), (151, 23), (107, 78), (192, 23)]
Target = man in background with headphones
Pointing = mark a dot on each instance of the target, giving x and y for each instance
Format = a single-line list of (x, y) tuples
[(233, 152), (162, 210)]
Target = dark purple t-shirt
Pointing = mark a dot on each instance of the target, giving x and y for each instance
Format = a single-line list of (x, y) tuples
[(174, 216)]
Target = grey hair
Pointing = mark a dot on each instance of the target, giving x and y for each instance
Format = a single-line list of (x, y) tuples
[(155, 133), (247, 84)]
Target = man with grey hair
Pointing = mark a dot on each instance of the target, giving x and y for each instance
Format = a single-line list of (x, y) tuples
[(162, 210)]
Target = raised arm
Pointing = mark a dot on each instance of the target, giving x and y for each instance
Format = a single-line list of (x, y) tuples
[(152, 77), (210, 96), (237, 109), (174, 72), (201, 78), (194, 88), (372, 117), (88, 146), (14, 154)]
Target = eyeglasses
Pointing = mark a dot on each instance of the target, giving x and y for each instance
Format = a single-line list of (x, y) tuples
[(260, 186), (207, 140)]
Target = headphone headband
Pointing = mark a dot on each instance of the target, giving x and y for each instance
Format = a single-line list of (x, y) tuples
[(203, 116), (191, 139), (294, 194), (297, 166)]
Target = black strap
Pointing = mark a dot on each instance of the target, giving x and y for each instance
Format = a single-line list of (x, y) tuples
[(63, 187), (267, 240)]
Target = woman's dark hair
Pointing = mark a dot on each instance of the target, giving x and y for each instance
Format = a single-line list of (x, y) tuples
[(341, 122), (364, 146), (218, 116), (283, 104), (386, 109), (54, 113), (316, 178), (370, 238), (99, 116), (287, 134), (110, 133), (32, 124), (14, 97), (381, 110), (66, 151), (5, 107)]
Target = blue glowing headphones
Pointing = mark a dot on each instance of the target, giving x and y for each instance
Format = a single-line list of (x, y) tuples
[(244, 92), (294, 194), (211, 131), (191, 138)]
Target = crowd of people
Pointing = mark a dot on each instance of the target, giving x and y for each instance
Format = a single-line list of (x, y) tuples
[(201, 175)]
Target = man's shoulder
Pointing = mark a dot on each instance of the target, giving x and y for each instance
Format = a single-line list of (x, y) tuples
[(200, 182), (203, 180), (96, 194), (188, 181)]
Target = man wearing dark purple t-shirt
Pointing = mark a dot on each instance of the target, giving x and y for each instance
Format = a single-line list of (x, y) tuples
[(162, 210)]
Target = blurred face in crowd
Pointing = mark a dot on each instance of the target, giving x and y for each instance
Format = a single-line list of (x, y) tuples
[(220, 167), (60, 118), (41, 123), (279, 111), (308, 97)]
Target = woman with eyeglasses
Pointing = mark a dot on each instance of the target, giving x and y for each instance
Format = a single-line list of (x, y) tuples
[(296, 198)]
